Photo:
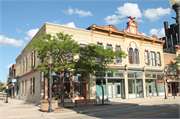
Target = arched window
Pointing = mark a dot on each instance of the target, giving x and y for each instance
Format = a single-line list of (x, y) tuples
[(136, 53), (131, 56)]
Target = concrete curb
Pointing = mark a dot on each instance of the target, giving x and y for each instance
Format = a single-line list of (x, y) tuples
[(96, 110)]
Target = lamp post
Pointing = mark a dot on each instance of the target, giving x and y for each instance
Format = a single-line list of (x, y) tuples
[(50, 84), (175, 4), (7, 94), (165, 70)]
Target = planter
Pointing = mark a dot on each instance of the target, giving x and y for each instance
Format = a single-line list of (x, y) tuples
[(45, 106)]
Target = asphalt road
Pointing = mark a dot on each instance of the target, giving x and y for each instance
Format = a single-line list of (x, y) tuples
[(161, 109)]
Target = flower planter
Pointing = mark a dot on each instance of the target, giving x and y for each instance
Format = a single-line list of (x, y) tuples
[(45, 106)]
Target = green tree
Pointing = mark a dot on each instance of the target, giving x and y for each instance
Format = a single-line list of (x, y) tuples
[(175, 66), (97, 59), (61, 49), (2, 87)]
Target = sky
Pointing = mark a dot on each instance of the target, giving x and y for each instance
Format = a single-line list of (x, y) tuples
[(21, 19)]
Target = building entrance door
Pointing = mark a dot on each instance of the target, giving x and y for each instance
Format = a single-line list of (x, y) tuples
[(149, 92), (139, 88), (110, 90), (118, 90)]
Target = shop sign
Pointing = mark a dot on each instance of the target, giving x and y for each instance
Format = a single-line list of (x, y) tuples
[(160, 81), (13, 80), (53, 74)]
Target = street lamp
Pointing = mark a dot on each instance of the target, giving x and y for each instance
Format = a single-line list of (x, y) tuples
[(175, 4), (7, 94), (165, 70), (50, 84)]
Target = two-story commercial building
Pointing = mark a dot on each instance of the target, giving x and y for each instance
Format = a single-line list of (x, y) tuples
[(139, 74)]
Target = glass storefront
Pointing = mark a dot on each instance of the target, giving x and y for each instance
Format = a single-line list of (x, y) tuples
[(72, 88), (113, 85), (135, 84), (154, 83)]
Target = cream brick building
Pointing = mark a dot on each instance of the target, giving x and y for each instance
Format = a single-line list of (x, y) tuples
[(139, 74)]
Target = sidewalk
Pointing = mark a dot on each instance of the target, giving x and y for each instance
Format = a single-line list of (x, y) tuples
[(20, 109)]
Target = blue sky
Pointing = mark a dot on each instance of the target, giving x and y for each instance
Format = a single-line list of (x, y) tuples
[(20, 20)]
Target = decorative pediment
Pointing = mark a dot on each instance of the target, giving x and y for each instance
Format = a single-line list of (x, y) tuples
[(132, 26), (111, 28)]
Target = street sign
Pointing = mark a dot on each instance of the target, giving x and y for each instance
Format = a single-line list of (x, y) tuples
[(53, 74)]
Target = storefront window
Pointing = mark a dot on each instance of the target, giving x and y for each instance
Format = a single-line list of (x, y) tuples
[(78, 78), (119, 74), (67, 76), (130, 75), (169, 88), (160, 84), (99, 88), (177, 86), (148, 75), (109, 74), (98, 74), (131, 86), (154, 75), (138, 75), (42, 85), (56, 90), (67, 92)]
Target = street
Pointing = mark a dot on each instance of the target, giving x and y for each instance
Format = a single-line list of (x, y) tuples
[(163, 109), (156, 107)]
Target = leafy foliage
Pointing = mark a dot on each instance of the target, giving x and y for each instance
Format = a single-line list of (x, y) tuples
[(175, 66)]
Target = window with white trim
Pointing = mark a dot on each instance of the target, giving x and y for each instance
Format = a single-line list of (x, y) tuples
[(159, 59), (146, 57), (131, 61), (153, 58), (118, 59), (136, 55)]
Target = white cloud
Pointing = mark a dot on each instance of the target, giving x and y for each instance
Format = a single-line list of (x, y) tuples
[(18, 30), (31, 33), (81, 13), (55, 22), (129, 9), (5, 41), (155, 14), (69, 11), (27, 24), (158, 32), (9, 65), (114, 19), (71, 24), (144, 34)]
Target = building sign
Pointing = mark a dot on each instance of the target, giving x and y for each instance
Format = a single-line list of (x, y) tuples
[(53, 74), (160, 81), (13, 80)]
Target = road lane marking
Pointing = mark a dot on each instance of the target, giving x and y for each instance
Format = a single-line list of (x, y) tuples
[(152, 113)]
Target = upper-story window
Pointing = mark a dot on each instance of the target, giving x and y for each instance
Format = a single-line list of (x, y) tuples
[(146, 57), (118, 59), (133, 56), (99, 44), (109, 46), (136, 54), (31, 58), (82, 53), (23, 65), (153, 58), (159, 59), (34, 58), (131, 61), (26, 63)]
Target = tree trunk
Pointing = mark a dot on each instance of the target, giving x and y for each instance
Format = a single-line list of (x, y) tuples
[(63, 89), (102, 89)]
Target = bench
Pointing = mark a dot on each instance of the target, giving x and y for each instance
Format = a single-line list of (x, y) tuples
[(84, 101)]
